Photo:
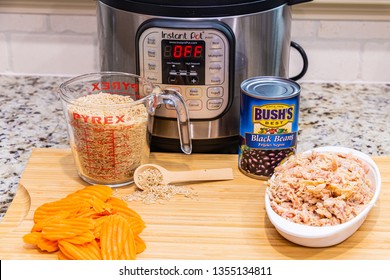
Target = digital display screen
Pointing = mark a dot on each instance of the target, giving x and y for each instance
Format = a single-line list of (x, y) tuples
[(183, 62), (183, 49)]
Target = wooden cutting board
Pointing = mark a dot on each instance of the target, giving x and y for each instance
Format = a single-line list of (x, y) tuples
[(226, 220)]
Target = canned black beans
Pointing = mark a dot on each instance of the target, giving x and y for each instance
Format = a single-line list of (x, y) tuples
[(269, 108)]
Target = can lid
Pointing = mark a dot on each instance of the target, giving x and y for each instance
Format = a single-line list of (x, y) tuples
[(270, 87)]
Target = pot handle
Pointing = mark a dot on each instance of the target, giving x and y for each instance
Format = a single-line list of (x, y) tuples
[(304, 58), (174, 99)]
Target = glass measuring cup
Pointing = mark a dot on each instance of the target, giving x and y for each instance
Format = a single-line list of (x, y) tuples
[(108, 118)]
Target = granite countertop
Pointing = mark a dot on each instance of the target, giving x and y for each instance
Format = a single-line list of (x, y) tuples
[(349, 115)]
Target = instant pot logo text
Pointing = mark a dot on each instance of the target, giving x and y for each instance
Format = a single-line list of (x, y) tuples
[(182, 35), (114, 86), (273, 115)]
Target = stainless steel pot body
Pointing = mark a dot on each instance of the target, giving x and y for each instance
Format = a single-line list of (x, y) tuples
[(261, 48)]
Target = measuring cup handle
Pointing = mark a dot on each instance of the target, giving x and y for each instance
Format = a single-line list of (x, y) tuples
[(173, 98)]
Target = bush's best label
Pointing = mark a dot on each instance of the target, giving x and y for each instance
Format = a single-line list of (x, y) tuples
[(271, 127), (273, 115), (268, 124)]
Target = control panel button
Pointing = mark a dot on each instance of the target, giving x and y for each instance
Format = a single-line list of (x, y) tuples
[(214, 104), (216, 80), (194, 80), (151, 65), (194, 105), (194, 92), (151, 77), (151, 40), (215, 55), (172, 79), (151, 52), (216, 43), (215, 67), (214, 92)]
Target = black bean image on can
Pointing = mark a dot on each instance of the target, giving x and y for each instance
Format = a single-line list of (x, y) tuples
[(269, 110)]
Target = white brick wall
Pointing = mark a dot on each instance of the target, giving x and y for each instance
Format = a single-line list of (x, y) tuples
[(375, 64), (23, 23), (67, 45), (48, 44), (343, 50), (52, 54), (357, 30), (77, 24), (331, 60), (4, 54)]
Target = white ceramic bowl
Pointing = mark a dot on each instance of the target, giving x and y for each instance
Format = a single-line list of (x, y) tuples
[(325, 236)]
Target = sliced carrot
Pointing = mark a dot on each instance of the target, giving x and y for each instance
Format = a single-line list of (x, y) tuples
[(83, 238), (106, 237), (94, 247), (47, 245), (67, 228), (83, 213), (100, 206), (62, 257), (45, 221), (137, 225), (42, 243), (96, 191), (116, 202), (117, 239), (95, 209), (140, 244), (53, 208), (121, 207), (78, 252), (88, 224), (31, 238), (98, 226), (129, 246), (125, 239)]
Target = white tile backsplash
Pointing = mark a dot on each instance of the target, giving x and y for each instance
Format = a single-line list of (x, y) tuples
[(61, 54), (332, 61), (23, 23), (350, 51), (304, 28), (4, 54), (358, 30), (376, 61), (67, 23)]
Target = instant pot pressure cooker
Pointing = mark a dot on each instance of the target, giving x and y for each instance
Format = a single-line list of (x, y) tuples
[(203, 49)]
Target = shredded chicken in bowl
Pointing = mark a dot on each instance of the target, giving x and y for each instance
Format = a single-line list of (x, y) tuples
[(320, 189)]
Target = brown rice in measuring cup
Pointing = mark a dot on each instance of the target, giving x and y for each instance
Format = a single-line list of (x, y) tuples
[(107, 116), (110, 142)]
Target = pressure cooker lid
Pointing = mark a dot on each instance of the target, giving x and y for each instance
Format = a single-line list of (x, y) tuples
[(197, 8)]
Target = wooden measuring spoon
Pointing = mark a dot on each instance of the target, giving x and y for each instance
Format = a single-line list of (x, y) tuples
[(185, 176)]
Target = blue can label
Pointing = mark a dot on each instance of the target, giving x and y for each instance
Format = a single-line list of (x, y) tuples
[(268, 132), (271, 126), (270, 141)]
